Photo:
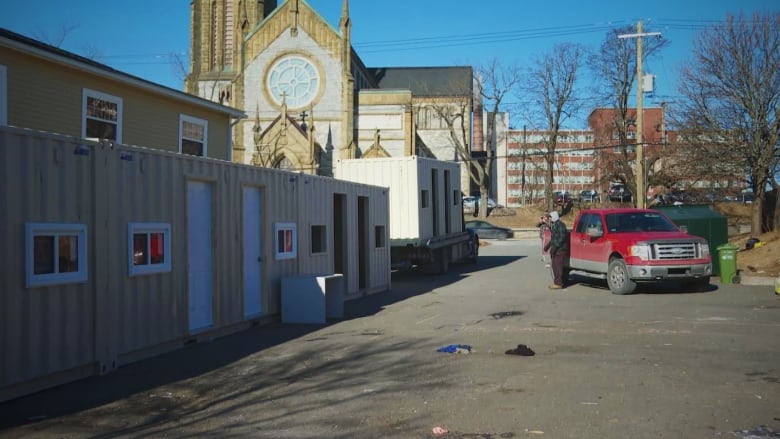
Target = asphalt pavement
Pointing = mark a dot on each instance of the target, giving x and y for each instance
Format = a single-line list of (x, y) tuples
[(659, 363)]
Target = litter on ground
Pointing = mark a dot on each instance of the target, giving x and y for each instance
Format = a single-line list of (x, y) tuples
[(455, 349)]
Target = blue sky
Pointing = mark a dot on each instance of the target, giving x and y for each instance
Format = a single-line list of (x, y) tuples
[(138, 36)]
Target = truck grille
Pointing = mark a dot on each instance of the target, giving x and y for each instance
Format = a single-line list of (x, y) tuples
[(675, 250)]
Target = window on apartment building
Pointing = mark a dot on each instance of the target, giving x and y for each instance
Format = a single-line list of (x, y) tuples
[(101, 116), (55, 253), (193, 133), (3, 95), (149, 246)]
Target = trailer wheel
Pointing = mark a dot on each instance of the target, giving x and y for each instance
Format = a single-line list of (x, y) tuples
[(475, 254), (440, 264), (618, 279), (443, 258)]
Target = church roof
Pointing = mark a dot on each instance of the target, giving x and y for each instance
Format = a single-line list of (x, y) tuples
[(426, 81)]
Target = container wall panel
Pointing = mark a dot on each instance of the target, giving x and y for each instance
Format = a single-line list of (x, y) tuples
[(49, 328), (117, 316), (407, 178), (401, 176)]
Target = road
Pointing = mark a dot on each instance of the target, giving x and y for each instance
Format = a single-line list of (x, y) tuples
[(659, 363)]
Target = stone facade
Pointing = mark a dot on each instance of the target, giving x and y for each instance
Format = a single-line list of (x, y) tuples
[(338, 108)]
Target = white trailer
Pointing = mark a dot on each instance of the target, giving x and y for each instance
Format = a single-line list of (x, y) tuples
[(426, 214)]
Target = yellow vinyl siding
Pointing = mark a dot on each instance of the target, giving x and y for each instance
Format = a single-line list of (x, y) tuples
[(47, 96)]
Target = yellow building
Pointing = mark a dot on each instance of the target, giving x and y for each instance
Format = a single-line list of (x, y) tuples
[(48, 89)]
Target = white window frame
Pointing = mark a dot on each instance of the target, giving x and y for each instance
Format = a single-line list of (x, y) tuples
[(194, 120), (148, 229), (88, 93), (281, 236), (55, 229), (3, 95)]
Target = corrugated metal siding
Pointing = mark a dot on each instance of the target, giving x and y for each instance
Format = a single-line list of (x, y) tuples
[(407, 177), (47, 329), (115, 317)]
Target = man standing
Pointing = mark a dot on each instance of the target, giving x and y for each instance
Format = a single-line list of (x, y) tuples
[(559, 249)]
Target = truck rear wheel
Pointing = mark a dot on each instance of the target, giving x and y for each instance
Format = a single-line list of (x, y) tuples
[(618, 279)]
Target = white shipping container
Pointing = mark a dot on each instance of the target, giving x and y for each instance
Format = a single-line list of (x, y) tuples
[(425, 194)]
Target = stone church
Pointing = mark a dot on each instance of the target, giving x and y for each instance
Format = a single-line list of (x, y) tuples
[(309, 98)]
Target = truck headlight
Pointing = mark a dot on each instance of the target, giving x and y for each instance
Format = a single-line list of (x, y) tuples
[(705, 249), (641, 251)]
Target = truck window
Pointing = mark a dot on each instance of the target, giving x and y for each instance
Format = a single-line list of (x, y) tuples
[(639, 222)]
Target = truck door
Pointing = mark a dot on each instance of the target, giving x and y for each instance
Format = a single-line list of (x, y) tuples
[(587, 247)]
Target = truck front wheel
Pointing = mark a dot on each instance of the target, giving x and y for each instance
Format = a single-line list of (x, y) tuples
[(618, 279)]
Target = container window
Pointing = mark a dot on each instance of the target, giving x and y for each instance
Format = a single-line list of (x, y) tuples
[(379, 237), (319, 243), (55, 253), (424, 194), (149, 248), (285, 241)]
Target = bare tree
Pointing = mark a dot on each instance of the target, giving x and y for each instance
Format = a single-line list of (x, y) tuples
[(56, 39), (732, 101), (614, 66), (88, 50), (493, 81), (178, 65), (551, 87)]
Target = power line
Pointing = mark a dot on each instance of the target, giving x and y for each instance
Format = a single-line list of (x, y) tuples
[(394, 45)]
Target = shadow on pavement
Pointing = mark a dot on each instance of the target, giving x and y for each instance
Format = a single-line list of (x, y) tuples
[(198, 359)]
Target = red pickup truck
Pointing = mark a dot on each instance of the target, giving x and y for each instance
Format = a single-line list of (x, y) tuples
[(627, 246)]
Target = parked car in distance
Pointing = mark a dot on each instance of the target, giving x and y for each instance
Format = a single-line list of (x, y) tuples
[(619, 194), (589, 196), (471, 201), (562, 198), (486, 230)]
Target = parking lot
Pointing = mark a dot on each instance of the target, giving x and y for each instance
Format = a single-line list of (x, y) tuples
[(659, 363)]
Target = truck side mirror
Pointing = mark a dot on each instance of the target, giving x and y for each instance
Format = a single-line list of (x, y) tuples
[(594, 233)]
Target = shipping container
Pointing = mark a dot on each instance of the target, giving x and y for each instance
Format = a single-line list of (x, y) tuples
[(114, 253), (426, 213)]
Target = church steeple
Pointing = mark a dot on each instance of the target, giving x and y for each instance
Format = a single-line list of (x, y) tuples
[(344, 22), (348, 92)]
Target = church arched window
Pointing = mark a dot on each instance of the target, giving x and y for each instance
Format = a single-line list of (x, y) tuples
[(229, 23), (284, 163)]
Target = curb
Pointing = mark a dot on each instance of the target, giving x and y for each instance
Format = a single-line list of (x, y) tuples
[(756, 280)]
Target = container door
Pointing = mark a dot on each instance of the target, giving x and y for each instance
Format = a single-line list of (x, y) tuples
[(199, 257), (252, 254)]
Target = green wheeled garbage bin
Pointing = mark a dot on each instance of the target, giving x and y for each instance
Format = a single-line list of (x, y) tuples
[(727, 257)]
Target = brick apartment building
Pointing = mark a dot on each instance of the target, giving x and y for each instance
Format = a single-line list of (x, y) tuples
[(584, 159)]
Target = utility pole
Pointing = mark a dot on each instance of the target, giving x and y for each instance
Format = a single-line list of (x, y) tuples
[(641, 192)]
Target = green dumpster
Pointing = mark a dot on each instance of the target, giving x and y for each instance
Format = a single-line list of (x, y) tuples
[(701, 220), (727, 256)]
